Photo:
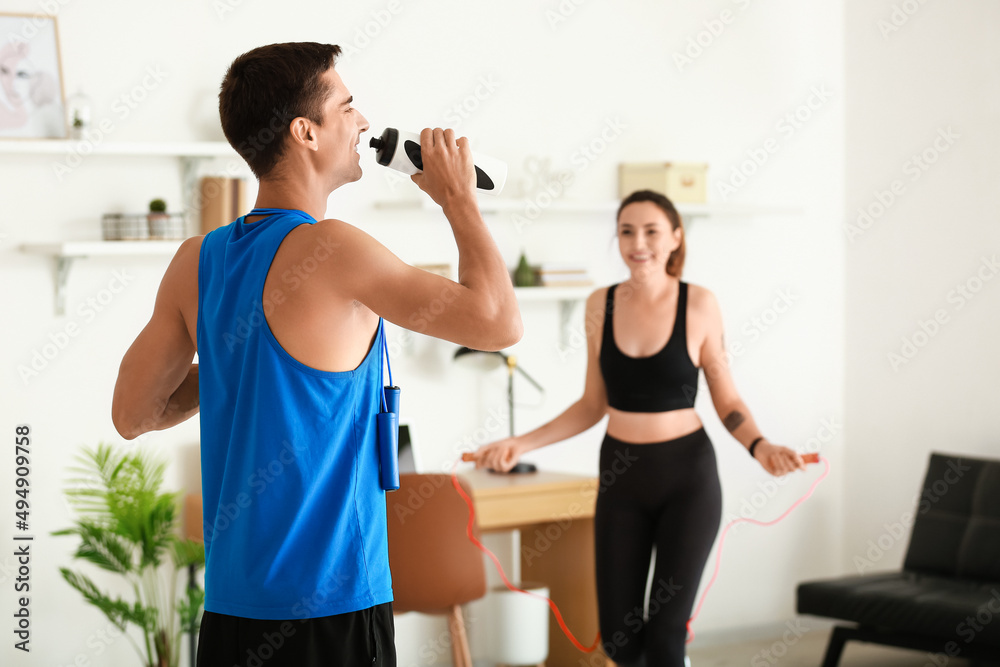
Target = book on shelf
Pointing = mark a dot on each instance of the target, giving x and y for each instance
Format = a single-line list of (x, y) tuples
[(563, 275), (567, 283), (221, 200)]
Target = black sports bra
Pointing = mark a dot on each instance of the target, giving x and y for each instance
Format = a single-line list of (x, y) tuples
[(667, 380)]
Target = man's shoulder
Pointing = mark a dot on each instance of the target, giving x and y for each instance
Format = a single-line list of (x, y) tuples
[(187, 256), (331, 237)]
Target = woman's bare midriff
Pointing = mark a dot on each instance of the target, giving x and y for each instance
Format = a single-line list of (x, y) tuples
[(648, 427)]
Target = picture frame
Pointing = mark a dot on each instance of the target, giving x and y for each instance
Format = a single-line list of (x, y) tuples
[(32, 99)]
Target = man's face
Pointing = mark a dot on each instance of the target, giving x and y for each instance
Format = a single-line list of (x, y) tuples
[(340, 133)]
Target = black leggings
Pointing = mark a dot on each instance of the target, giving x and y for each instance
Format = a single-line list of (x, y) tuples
[(665, 494)]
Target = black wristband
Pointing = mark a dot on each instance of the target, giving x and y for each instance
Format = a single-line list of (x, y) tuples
[(753, 445)]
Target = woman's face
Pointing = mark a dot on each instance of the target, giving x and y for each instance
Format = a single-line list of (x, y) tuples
[(15, 76), (645, 238)]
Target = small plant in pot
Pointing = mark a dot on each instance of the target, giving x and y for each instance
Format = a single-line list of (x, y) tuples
[(159, 220)]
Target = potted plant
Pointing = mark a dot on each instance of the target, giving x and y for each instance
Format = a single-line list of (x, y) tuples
[(127, 526), (524, 275), (159, 220)]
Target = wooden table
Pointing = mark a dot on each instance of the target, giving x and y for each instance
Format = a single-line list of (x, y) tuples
[(554, 513)]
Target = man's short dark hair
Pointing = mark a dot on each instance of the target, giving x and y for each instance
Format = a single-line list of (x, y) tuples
[(264, 89)]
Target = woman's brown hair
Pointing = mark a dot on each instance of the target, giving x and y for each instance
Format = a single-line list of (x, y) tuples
[(675, 263)]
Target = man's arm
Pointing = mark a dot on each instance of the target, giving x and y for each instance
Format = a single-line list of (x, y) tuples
[(480, 310), (157, 384)]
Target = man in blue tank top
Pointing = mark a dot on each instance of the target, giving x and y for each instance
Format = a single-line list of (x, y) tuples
[(284, 308)]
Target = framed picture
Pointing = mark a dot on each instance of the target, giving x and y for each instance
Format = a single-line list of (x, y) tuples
[(31, 83)]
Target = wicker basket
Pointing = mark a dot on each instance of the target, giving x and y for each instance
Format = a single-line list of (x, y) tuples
[(142, 226)]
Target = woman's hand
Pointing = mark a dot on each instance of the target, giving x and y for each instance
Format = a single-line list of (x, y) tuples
[(501, 455), (778, 460)]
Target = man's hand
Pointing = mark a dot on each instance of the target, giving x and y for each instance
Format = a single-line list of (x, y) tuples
[(449, 174), (778, 460)]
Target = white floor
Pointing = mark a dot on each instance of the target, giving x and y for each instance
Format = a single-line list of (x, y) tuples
[(809, 652)]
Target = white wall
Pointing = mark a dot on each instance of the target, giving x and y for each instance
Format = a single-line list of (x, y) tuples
[(557, 85), (911, 75)]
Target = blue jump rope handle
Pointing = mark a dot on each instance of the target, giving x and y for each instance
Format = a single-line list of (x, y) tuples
[(388, 440), (387, 430)]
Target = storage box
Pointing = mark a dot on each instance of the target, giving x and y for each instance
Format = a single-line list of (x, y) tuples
[(681, 182)]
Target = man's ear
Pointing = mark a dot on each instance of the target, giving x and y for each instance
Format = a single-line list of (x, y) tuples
[(302, 132)]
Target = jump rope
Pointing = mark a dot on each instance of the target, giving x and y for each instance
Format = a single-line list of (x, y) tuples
[(387, 434), (807, 458)]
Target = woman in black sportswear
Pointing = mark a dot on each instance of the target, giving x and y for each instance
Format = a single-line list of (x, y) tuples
[(647, 339)]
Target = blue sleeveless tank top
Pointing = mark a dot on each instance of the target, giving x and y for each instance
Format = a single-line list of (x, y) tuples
[(294, 516)]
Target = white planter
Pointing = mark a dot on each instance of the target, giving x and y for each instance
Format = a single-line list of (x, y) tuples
[(519, 632)]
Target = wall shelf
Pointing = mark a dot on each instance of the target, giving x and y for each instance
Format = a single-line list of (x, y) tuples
[(65, 253), (494, 205), (190, 153)]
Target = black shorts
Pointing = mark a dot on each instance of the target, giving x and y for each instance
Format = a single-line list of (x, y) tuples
[(364, 638)]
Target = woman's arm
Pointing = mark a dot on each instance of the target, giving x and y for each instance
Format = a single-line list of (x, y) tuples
[(730, 407), (590, 409)]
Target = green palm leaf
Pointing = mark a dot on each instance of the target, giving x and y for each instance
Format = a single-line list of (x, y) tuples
[(126, 525), (102, 548)]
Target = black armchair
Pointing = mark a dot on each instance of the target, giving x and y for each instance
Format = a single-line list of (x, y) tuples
[(946, 599)]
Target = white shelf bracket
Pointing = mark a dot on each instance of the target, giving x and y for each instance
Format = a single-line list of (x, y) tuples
[(566, 308), (63, 265)]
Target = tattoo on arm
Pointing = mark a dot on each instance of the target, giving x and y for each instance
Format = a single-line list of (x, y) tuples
[(733, 420)]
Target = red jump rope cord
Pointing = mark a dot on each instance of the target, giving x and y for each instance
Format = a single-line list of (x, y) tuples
[(555, 609), (722, 541), (512, 587)]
